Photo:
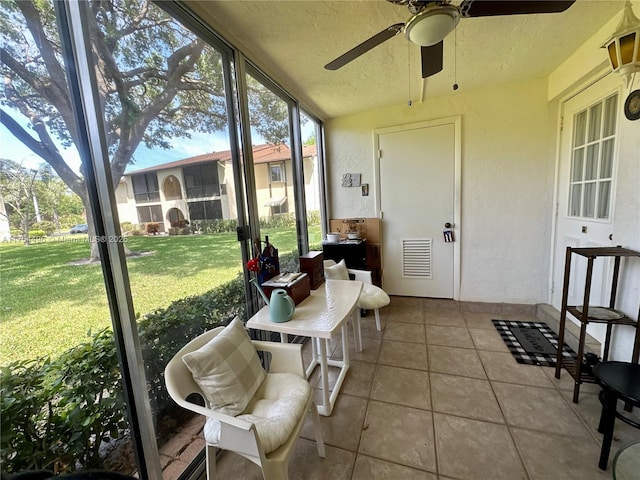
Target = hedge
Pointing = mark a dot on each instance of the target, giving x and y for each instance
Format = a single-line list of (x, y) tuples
[(59, 414)]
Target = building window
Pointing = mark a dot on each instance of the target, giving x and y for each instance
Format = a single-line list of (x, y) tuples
[(276, 173), (202, 180), (150, 213), (145, 187), (207, 210), (592, 160)]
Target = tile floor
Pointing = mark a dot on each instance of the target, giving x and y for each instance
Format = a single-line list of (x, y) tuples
[(437, 395)]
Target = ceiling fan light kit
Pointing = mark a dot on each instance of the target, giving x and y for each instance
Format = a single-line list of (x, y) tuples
[(431, 25), (432, 21)]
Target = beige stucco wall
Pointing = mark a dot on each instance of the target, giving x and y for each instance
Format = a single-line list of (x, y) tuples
[(506, 184)]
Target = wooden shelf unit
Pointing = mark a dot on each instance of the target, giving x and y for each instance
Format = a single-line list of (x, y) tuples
[(581, 312)]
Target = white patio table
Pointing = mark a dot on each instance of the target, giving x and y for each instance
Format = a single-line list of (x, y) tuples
[(320, 316)]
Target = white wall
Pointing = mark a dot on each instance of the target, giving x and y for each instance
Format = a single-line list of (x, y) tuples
[(585, 66), (507, 182)]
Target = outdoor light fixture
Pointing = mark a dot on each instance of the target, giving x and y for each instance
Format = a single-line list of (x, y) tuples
[(624, 45)]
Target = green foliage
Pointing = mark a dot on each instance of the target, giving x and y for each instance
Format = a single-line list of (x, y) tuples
[(35, 233), (127, 227), (57, 413), (47, 227)]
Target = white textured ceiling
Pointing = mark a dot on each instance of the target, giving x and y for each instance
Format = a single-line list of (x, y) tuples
[(295, 39)]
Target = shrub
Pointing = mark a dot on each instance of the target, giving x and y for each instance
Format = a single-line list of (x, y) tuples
[(15, 232), (35, 233), (127, 227), (47, 227), (56, 414), (180, 223)]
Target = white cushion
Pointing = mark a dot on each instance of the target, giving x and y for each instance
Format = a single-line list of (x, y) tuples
[(278, 405), (227, 369), (337, 271), (372, 297)]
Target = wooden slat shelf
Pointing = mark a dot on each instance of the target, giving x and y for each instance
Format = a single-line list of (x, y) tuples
[(573, 310), (581, 312)]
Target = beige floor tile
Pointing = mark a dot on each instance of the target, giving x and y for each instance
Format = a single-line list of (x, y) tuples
[(449, 317), (589, 408), (440, 304), (481, 320), (232, 465), (404, 314), (540, 409), (502, 367), (359, 379), (404, 354), (566, 382), (402, 386), (343, 427), (465, 397), (455, 361), (485, 339), (306, 464), (368, 468), (449, 336), (399, 434), (405, 332), (369, 353), (474, 450), (397, 301), (548, 456), (368, 325)]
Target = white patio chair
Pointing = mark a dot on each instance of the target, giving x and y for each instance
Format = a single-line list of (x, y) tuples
[(253, 413), (372, 297)]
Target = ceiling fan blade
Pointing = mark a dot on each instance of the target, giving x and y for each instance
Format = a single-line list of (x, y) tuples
[(489, 8), (431, 59), (365, 46)]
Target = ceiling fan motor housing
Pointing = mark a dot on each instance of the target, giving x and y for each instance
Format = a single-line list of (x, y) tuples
[(432, 24)]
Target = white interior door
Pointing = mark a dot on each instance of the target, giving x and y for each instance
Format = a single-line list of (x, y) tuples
[(417, 177), (586, 182)]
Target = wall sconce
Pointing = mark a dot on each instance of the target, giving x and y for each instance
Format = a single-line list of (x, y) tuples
[(624, 45)]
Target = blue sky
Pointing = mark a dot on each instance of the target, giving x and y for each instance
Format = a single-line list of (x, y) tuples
[(200, 143)]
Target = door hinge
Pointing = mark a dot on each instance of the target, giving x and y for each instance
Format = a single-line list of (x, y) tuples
[(561, 123), (379, 154)]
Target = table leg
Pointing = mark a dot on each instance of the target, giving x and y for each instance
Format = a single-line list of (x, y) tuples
[(607, 420), (325, 408), (357, 332)]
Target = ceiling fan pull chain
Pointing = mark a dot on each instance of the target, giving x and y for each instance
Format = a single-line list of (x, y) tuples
[(455, 58)]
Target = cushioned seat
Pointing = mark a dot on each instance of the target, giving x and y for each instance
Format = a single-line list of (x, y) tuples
[(372, 297), (274, 410), (249, 411)]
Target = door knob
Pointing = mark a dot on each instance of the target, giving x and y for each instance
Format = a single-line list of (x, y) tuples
[(448, 225)]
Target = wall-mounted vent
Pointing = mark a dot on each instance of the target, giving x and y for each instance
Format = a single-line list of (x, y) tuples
[(416, 258)]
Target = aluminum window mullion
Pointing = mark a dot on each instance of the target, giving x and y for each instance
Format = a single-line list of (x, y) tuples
[(93, 150)]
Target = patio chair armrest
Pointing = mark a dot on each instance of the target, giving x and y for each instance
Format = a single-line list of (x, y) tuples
[(285, 357), (363, 276)]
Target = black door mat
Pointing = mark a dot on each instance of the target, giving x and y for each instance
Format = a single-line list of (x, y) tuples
[(531, 343)]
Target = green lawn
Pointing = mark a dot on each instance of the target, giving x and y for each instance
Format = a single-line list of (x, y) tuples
[(48, 304)]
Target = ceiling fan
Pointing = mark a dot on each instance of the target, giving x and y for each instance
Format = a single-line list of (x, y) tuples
[(432, 20)]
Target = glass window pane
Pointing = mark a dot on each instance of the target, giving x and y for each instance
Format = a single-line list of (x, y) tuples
[(574, 201), (606, 160), (595, 120), (604, 196), (589, 200), (270, 119), (580, 129), (578, 164), (591, 164), (312, 180), (610, 111)]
